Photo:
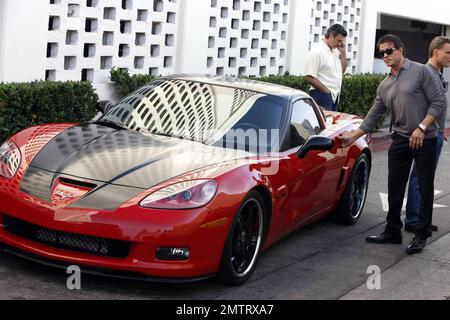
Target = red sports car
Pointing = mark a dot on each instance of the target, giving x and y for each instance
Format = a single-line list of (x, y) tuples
[(186, 178)]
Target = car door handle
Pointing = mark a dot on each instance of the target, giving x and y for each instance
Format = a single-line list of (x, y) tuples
[(283, 195), (282, 192)]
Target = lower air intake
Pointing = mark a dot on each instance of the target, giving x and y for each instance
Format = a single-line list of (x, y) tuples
[(66, 240)]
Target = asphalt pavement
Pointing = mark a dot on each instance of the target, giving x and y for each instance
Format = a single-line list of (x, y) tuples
[(424, 276)]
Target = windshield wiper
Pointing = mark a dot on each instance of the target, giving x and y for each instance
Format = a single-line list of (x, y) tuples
[(109, 124), (164, 135), (175, 137)]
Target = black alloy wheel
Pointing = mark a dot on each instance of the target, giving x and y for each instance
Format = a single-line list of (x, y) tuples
[(351, 204), (244, 241)]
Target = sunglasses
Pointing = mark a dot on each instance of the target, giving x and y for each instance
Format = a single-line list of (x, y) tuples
[(387, 52)]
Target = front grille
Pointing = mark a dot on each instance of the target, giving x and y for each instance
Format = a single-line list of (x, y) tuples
[(67, 240)]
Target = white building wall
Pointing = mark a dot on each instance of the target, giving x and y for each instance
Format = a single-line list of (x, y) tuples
[(299, 24), (345, 12), (61, 40), (247, 38), (234, 37), (138, 35)]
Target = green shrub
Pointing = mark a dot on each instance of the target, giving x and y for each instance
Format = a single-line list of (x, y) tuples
[(24, 105), (295, 82), (127, 83), (358, 91)]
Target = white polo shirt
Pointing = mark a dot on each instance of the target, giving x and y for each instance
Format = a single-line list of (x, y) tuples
[(325, 65)]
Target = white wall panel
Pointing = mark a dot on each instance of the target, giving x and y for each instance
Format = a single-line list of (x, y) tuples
[(138, 35), (233, 37), (2, 41), (247, 37), (325, 13)]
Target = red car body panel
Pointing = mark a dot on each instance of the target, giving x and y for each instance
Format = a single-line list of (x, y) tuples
[(302, 191), (147, 229)]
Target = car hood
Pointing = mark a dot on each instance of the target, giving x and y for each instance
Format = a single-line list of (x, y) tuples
[(124, 157)]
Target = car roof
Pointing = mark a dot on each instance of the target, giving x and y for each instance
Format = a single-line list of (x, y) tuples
[(245, 84)]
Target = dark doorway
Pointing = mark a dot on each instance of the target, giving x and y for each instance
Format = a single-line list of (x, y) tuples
[(416, 35)]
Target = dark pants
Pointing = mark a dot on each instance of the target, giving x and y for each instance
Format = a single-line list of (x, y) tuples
[(400, 160), (324, 100), (414, 199)]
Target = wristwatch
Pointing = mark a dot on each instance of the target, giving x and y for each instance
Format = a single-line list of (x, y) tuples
[(423, 128)]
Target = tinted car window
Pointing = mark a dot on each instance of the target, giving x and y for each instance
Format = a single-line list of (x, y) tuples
[(194, 110), (260, 129), (304, 123)]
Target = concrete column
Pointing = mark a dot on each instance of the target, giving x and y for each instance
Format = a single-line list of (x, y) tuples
[(298, 36), (193, 36), (367, 37), (2, 39), (23, 39)]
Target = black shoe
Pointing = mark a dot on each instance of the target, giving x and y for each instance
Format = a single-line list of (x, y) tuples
[(410, 228), (416, 246), (433, 228), (385, 237)]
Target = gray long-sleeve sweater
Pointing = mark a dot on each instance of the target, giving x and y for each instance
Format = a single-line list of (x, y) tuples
[(409, 97), (438, 76)]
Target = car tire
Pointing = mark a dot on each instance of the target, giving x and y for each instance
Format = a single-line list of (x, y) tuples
[(245, 239), (351, 204)]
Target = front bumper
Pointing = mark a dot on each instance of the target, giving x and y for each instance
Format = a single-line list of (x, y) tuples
[(203, 231), (110, 273)]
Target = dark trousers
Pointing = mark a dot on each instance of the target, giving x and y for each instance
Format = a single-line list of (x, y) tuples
[(324, 100), (400, 160), (414, 199)]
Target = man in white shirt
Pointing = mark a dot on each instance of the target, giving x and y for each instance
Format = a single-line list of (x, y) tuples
[(325, 66)]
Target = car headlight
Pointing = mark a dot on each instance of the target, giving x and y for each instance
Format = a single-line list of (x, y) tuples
[(184, 195), (10, 159)]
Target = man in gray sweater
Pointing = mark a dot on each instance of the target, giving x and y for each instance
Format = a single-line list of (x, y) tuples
[(415, 101)]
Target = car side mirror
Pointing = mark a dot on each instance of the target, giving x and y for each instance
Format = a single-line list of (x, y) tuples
[(315, 143), (104, 106)]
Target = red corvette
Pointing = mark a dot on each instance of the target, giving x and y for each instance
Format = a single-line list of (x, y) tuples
[(186, 178)]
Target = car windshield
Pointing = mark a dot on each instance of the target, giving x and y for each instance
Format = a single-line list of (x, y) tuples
[(210, 114)]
